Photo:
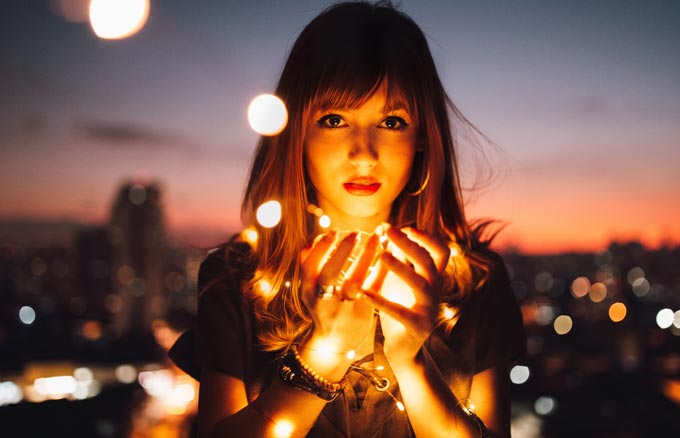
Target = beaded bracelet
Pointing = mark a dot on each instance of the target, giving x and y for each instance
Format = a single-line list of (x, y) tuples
[(296, 373)]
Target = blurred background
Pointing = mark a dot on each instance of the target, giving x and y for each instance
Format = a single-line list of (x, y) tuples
[(125, 145)]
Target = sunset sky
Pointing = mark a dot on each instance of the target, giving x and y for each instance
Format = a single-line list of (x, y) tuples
[(582, 99)]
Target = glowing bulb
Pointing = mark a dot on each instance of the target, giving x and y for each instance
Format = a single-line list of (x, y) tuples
[(264, 286), (400, 406), (395, 290), (115, 19), (269, 214), (324, 221), (267, 114), (351, 354), (283, 429), (250, 235)]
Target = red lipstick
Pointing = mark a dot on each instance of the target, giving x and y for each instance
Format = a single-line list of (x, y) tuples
[(362, 186)]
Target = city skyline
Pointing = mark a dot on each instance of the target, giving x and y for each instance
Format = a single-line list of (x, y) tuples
[(580, 98)]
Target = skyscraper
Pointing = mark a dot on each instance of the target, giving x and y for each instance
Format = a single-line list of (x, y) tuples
[(139, 244)]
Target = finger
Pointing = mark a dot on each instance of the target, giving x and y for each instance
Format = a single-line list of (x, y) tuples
[(357, 272), (395, 310), (418, 284), (436, 248), (335, 263), (313, 262), (415, 254)]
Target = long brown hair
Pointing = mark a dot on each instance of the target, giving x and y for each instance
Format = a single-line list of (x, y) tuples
[(339, 60)]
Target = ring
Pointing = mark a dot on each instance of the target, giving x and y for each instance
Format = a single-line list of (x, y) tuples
[(325, 291)]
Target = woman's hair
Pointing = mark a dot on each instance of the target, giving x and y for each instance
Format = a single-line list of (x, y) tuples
[(339, 60)]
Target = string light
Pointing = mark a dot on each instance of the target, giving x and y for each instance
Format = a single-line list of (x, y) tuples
[(324, 221)]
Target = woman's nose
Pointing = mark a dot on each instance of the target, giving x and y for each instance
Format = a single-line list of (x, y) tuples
[(363, 152)]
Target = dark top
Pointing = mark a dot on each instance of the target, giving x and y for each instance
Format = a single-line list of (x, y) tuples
[(489, 330)]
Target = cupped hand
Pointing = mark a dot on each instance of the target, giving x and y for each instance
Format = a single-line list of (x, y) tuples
[(340, 319), (413, 269)]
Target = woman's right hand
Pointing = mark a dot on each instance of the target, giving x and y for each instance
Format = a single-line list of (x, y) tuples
[(341, 322)]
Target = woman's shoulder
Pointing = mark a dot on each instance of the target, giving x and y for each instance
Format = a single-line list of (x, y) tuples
[(228, 262)]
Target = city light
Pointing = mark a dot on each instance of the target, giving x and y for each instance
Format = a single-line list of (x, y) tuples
[(563, 324), (665, 318), (267, 115), (580, 287), (640, 287), (634, 274), (545, 405), (27, 315), (519, 374), (116, 19), (269, 214), (617, 312), (597, 292)]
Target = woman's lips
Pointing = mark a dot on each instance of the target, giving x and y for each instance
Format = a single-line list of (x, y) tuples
[(362, 186)]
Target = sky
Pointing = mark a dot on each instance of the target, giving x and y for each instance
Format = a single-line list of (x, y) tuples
[(581, 100)]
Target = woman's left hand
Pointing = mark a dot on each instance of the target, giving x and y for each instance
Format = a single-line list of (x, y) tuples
[(418, 270)]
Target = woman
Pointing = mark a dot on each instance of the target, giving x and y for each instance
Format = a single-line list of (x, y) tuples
[(300, 333)]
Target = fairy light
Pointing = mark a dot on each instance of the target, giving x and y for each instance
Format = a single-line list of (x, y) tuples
[(324, 221), (250, 235), (448, 313), (400, 406), (264, 286), (116, 19), (350, 354), (283, 429), (269, 214), (267, 115)]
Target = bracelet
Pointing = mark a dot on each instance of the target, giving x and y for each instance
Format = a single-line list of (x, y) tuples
[(483, 431), (294, 372)]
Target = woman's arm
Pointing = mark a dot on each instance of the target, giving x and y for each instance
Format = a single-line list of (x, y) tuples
[(434, 411), (280, 411)]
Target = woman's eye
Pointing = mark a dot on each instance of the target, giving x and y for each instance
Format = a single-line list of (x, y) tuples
[(331, 121), (394, 122)]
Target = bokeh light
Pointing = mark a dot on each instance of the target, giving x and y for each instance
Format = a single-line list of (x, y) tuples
[(545, 405), (563, 324), (634, 274), (640, 287), (617, 312), (676, 319), (543, 281), (580, 287), (116, 19), (269, 214), (519, 374), (267, 114), (27, 315), (597, 292), (126, 373), (665, 318)]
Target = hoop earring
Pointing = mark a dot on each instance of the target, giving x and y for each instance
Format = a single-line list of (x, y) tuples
[(423, 185)]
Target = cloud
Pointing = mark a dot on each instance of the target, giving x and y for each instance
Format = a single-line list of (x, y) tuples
[(124, 134)]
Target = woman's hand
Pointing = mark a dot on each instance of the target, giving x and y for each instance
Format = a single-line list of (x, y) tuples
[(341, 322), (414, 269)]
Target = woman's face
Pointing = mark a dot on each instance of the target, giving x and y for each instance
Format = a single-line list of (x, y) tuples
[(359, 160)]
